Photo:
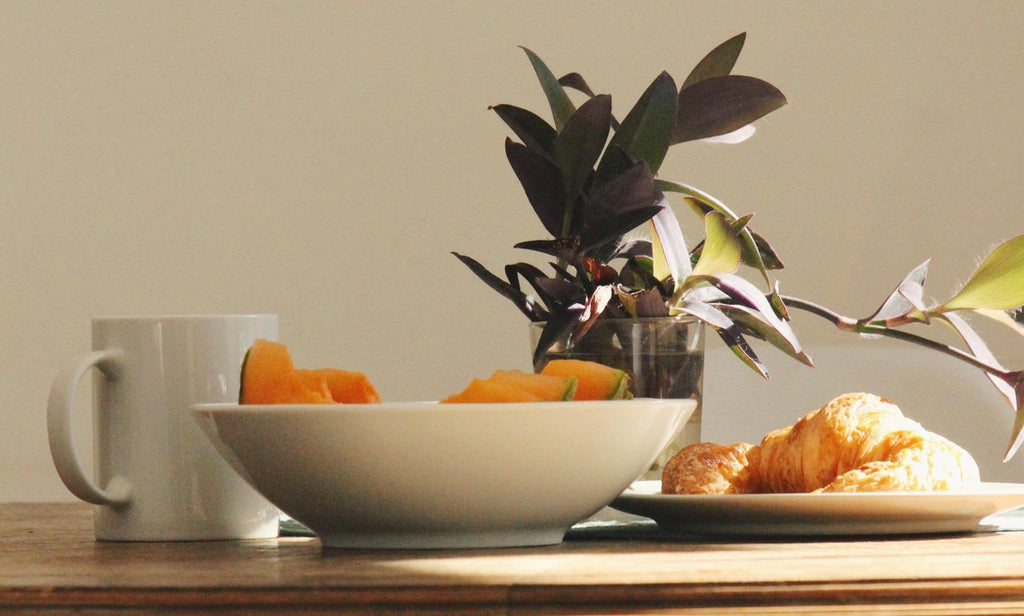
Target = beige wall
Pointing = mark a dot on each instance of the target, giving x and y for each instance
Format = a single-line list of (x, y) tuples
[(320, 160)]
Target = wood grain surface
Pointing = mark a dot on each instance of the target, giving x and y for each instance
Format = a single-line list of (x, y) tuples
[(51, 564)]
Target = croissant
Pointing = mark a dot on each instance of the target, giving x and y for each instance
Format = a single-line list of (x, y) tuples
[(856, 442)]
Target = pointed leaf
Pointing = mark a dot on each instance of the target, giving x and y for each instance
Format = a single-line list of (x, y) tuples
[(576, 82), (562, 293), (720, 105), (532, 130), (522, 301), (754, 321), (719, 61), (530, 273), (561, 106), (706, 312), (561, 249), (668, 247), (897, 304), (580, 143), (977, 346), (702, 203), (739, 346), (721, 252), (742, 291), (764, 252), (1002, 317), (1016, 380), (998, 283), (646, 130), (542, 183)]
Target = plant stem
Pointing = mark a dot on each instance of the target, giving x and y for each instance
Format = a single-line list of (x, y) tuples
[(848, 324)]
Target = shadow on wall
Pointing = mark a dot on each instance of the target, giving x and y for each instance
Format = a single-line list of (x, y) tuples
[(943, 394)]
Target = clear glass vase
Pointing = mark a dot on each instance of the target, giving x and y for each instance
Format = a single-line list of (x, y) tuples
[(663, 356)]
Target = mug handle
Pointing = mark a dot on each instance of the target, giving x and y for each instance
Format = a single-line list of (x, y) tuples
[(58, 419)]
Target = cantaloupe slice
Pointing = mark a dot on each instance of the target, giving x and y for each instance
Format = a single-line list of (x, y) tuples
[(488, 390), (342, 386), (594, 381), (544, 386), (268, 377)]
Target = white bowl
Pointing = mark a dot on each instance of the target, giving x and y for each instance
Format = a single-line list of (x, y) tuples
[(428, 475)]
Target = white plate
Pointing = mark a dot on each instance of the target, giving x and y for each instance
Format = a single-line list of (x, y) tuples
[(863, 513)]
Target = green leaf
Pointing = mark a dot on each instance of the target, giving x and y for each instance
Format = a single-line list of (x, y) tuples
[(1002, 317), (722, 249), (561, 106), (998, 283), (757, 253), (645, 132), (720, 105), (763, 256), (718, 62)]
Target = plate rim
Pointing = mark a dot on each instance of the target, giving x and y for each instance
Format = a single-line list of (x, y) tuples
[(804, 514)]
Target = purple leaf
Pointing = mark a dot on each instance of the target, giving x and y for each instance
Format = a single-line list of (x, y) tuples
[(620, 205), (650, 303), (522, 301), (542, 183), (576, 82), (533, 130), (720, 105), (566, 250), (561, 293), (580, 143)]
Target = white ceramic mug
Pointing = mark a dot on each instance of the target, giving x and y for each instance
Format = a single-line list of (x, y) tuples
[(157, 476)]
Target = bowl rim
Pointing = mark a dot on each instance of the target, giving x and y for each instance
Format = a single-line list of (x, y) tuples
[(430, 405)]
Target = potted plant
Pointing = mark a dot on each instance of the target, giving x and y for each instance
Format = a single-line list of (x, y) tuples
[(620, 257)]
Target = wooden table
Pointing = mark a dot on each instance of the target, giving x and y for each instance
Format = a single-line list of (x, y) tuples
[(50, 564)]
